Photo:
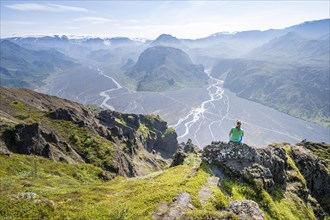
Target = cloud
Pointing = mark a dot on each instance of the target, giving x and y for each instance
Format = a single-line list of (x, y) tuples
[(94, 20), (45, 7)]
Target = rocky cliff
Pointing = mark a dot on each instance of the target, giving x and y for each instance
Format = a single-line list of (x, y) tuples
[(124, 144), (290, 170)]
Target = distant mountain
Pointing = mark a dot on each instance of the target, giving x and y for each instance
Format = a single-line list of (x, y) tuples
[(301, 90), (310, 29), (292, 47), (236, 44), (164, 68), (166, 40), (290, 72), (22, 67)]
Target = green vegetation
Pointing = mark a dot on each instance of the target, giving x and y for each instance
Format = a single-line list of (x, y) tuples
[(274, 206), (295, 174), (96, 109), (78, 193), (24, 113), (144, 130), (166, 68), (32, 187), (22, 67), (96, 149), (300, 90)]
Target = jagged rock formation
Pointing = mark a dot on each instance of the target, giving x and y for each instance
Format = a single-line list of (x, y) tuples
[(34, 123), (293, 168), (315, 173), (263, 166)]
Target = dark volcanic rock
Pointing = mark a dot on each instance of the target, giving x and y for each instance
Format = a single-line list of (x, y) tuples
[(315, 173), (189, 147), (262, 166), (271, 166), (29, 139), (178, 158), (33, 139)]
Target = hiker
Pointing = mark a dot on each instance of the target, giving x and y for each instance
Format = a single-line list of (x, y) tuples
[(236, 134)]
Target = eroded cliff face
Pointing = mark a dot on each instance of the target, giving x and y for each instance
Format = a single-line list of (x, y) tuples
[(122, 144), (293, 169)]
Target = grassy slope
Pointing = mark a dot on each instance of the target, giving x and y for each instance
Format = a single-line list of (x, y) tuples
[(78, 192)]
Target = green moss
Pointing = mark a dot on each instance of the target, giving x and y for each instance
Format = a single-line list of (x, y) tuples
[(96, 149), (143, 129), (22, 112), (289, 206), (295, 173), (206, 214), (192, 160), (120, 121), (18, 105)]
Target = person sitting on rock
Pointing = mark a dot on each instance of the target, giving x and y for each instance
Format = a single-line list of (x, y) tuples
[(236, 134)]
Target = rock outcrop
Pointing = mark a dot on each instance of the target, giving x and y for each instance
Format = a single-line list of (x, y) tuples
[(315, 173), (261, 166), (292, 168), (246, 209), (175, 210)]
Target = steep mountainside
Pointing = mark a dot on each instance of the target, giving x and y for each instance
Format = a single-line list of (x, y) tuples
[(294, 48), (21, 67), (120, 144), (290, 73), (164, 68)]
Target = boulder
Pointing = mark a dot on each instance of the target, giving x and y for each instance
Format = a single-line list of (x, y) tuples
[(178, 158), (246, 209)]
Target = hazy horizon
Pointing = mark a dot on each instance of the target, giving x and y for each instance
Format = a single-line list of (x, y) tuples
[(147, 19)]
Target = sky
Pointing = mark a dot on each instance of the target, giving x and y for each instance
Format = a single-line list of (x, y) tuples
[(148, 19)]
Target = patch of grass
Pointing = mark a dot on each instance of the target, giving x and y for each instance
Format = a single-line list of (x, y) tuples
[(96, 149), (206, 214), (295, 173), (288, 207), (120, 121), (192, 160), (18, 105), (23, 113), (143, 129), (96, 109)]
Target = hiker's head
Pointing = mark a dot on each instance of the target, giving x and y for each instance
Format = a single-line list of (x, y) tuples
[(238, 123)]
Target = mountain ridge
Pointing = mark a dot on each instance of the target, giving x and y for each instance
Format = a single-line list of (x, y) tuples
[(67, 131)]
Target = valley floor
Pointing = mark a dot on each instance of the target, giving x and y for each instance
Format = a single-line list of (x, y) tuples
[(201, 114)]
